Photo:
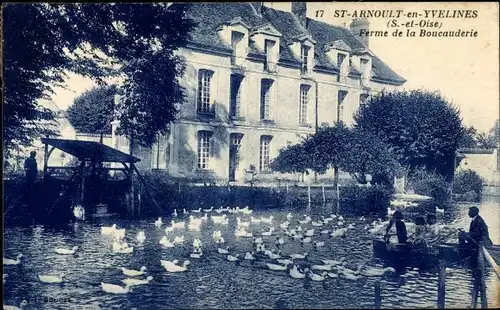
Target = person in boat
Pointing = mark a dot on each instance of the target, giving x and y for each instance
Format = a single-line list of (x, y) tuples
[(401, 233), (433, 234), (420, 230), (478, 231)]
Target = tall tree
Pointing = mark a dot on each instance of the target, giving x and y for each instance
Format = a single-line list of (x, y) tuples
[(422, 127), (92, 111), (44, 41)]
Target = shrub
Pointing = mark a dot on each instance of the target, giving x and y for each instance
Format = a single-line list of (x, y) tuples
[(372, 200), (468, 185), (430, 184)]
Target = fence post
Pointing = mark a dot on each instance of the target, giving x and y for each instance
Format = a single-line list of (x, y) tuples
[(323, 192), (441, 285), (482, 284), (378, 298), (309, 193)]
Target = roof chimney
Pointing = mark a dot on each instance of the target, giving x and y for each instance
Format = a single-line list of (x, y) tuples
[(258, 7), (356, 25), (299, 9)]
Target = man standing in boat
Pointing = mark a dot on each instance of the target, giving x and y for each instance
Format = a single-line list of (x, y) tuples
[(478, 231), (397, 219)]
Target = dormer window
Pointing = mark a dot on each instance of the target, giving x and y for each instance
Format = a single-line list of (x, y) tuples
[(238, 48), (269, 49), (342, 63), (267, 39), (304, 56), (235, 33), (365, 67)]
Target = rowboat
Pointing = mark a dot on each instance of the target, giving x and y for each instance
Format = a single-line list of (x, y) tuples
[(419, 255)]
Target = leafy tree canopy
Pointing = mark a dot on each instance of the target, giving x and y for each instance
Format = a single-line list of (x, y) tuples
[(353, 151), (421, 127), (44, 41), (92, 111)]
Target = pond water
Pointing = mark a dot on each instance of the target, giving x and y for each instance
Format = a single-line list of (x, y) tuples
[(212, 281)]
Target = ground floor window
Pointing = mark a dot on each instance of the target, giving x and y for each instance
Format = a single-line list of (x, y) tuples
[(204, 149), (265, 143)]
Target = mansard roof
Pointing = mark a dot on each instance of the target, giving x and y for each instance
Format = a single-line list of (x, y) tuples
[(211, 15)]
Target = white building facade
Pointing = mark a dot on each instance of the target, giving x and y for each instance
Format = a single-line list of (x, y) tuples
[(257, 79)]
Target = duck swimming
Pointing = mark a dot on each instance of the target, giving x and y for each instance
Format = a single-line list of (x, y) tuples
[(141, 237), (51, 279), (131, 281), (133, 273), (115, 289), (66, 251), (296, 274), (17, 261), (158, 222), (176, 268)]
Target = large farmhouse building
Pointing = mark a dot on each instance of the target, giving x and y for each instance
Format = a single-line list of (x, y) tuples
[(257, 79)]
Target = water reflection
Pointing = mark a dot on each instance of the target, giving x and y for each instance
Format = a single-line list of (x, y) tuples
[(212, 281)]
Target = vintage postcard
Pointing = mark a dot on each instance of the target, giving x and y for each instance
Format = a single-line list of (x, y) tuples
[(251, 155)]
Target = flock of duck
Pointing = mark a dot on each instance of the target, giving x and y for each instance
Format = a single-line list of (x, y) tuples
[(267, 246)]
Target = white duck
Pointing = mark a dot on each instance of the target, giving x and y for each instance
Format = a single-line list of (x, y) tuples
[(289, 216), (309, 233), (51, 279), (209, 210), (105, 230), (174, 214), (169, 229), (66, 251), (299, 256), (340, 218), (131, 281), (115, 289), (223, 251), (246, 211), (17, 261), (176, 268), (178, 224), (126, 250), (322, 267), (267, 220), (279, 241), (120, 233), (196, 211), (249, 256), (257, 240), (158, 222), (242, 223), (376, 272), (185, 212), (132, 272), (324, 232), (285, 261), (333, 262), (273, 255), (141, 237), (179, 239), (338, 233), (232, 258), (205, 217), (169, 262), (23, 304), (306, 240), (277, 267), (216, 234), (351, 226), (166, 243), (317, 224), (317, 277), (318, 244), (284, 225), (196, 243), (296, 274), (217, 219), (441, 211)]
